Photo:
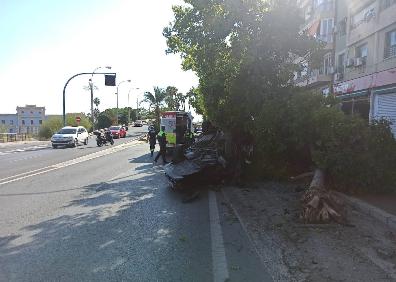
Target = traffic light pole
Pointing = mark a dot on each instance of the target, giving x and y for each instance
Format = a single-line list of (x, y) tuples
[(67, 82)]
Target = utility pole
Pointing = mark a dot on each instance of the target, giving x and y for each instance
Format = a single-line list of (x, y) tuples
[(128, 80), (137, 108)]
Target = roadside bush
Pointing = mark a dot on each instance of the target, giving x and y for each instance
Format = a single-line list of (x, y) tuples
[(50, 127), (298, 131), (358, 157)]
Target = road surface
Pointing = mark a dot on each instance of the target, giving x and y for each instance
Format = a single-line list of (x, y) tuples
[(107, 214)]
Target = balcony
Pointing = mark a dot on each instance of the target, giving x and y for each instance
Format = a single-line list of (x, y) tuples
[(390, 52), (316, 78)]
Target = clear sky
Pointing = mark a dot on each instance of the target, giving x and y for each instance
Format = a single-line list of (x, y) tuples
[(44, 42)]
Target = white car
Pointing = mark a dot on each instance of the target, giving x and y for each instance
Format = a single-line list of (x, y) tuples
[(70, 136), (138, 123)]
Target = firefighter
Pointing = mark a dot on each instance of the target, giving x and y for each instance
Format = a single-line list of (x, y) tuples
[(161, 137), (152, 138)]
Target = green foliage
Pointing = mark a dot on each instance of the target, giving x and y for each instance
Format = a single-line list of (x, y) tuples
[(55, 123), (3, 129), (244, 55), (50, 127), (195, 99), (298, 131), (108, 117), (104, 120), (156, 101), (240, 50), (357, 156)]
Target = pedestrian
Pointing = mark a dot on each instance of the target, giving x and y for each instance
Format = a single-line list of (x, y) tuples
[(152, 139), (161, 137), (189, 138)]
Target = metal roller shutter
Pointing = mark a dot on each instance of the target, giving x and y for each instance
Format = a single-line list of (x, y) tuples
[(385, 107)]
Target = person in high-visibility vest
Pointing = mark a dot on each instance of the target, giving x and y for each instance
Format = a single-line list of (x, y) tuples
[(152, 138), (161, 137), (189, 138)]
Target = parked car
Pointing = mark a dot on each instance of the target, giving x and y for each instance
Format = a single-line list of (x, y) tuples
[(117, 131), (138, 123), (70, 136)]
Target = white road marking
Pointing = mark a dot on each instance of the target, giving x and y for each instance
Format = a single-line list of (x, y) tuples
[(219, 261), (78, 160)]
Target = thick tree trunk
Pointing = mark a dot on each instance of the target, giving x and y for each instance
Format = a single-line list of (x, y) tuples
[(320, 205)]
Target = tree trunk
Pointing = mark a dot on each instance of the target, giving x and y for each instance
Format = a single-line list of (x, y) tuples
[(320, 205)]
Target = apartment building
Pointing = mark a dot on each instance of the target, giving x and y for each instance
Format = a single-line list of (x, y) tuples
[(359, 61), (28, 119), (365, 77), (319, 23)]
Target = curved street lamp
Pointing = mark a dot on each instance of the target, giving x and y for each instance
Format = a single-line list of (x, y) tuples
[(91, 88), (128, 80)]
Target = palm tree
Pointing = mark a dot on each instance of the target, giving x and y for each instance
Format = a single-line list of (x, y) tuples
[(156, 100), (96, 101)]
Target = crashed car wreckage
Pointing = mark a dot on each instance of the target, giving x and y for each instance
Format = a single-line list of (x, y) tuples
[(210, 160)]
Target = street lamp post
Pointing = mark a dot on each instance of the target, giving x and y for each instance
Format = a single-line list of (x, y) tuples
[(129, 108), (91, 88), (64, 90), (128, 80)]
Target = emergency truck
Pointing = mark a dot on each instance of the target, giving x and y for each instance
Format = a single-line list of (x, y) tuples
[(176, 124)]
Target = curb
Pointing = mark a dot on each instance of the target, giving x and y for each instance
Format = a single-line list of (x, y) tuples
[(365, 208)]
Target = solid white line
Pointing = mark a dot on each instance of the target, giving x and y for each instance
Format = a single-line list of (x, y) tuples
[(219, 261)]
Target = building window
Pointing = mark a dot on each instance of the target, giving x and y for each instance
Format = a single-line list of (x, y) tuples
[(23, 122), (328, 64), (390, 44), (39, 113), (31, 122), (11, 122), (342, 27), (341, 63), (326, 30), (2, 121), (362, 51), (31, 112), (387, 3), (22, 112), (40, 122), (323, 5)]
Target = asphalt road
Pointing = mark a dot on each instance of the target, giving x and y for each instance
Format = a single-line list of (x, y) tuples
[(107, 214)]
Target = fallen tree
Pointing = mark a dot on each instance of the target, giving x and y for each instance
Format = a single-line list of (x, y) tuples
[(319, 204)]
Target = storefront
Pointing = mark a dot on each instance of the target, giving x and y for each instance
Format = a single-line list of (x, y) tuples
[(372, 96)]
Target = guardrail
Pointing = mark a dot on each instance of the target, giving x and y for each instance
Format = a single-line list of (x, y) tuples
[(13, 137)]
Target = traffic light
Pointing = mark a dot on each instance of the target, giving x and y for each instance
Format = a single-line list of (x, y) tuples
[(110, 79)]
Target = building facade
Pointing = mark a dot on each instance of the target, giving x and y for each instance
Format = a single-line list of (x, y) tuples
[(359, 66), (28, 119), (319, 16), (9, 123)]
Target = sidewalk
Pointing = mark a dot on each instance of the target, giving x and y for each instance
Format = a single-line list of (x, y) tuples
[(292, 251), (22, 143)]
